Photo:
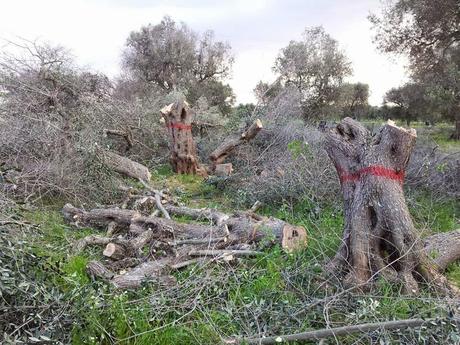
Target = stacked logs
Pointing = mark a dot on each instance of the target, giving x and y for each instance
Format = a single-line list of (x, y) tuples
[(141, 246)]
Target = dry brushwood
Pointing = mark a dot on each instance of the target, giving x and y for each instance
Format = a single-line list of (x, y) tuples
[(219, 155), (379, 237), (173, 245), (183, 157)]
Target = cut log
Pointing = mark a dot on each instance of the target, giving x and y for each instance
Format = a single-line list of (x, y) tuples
[(379, 236), (114, 251), (216, 217), (243, 227), (147, 271), (225, 169), (124, 165), (92, 240), (443, 248), (178, 119), (98, 217), (97, 269), (219, 155), (216, 252)]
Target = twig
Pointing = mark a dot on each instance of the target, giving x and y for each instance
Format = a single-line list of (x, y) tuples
[(216, 252), (160, 205), (198, 241), (157, 194), (187, 263)]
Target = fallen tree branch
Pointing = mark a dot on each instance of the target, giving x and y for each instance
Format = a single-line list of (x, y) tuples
[(216, 217), (124, 165), (172, 244), (223, 151), (443, 248), (216, 252), (92, 240), (334, 332), (126, 135)]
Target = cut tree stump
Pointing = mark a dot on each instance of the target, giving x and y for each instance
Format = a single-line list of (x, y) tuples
[(183, 158), (219, 155), (379, 237)]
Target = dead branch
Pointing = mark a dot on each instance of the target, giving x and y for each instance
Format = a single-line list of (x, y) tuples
[(215, 252), (124, 165), (334, 332), (219, 155)]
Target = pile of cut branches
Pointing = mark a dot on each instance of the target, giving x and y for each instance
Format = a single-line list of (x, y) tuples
[(142, 242)]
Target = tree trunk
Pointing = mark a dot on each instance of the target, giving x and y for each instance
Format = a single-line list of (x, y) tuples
[(456, 134), (183, 158), (379, 236)]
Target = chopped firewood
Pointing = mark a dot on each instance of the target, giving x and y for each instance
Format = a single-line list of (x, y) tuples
[(175, 244), (114, 251)]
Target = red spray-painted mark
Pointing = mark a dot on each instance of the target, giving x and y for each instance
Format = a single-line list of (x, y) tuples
[(180, 126), (375, 170)]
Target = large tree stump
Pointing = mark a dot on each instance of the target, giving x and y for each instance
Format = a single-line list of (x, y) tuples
[(183, 158), (379, 237)]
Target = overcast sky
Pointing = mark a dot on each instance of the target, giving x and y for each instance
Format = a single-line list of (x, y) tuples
[(96, 30)]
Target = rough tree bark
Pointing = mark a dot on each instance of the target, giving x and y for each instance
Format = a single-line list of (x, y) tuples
[(124, 165), (379, 237), (219, 155), (183, 158)]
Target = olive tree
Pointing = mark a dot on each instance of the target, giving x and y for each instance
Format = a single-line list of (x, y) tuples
[(353, 99), (428, 32), (316, 66), (172, 56), (411, 100)]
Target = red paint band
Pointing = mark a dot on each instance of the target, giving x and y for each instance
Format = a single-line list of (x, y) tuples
[(375, 170), (178, 125)]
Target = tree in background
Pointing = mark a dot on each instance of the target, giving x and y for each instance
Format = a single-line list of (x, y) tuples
[(266, 92), (174, 57), (428, 32), (353, 99), (317, 67), (411, 102)]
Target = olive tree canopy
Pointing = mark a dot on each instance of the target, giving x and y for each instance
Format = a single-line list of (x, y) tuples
[(428, 32), (316, 66), (172, 56)]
